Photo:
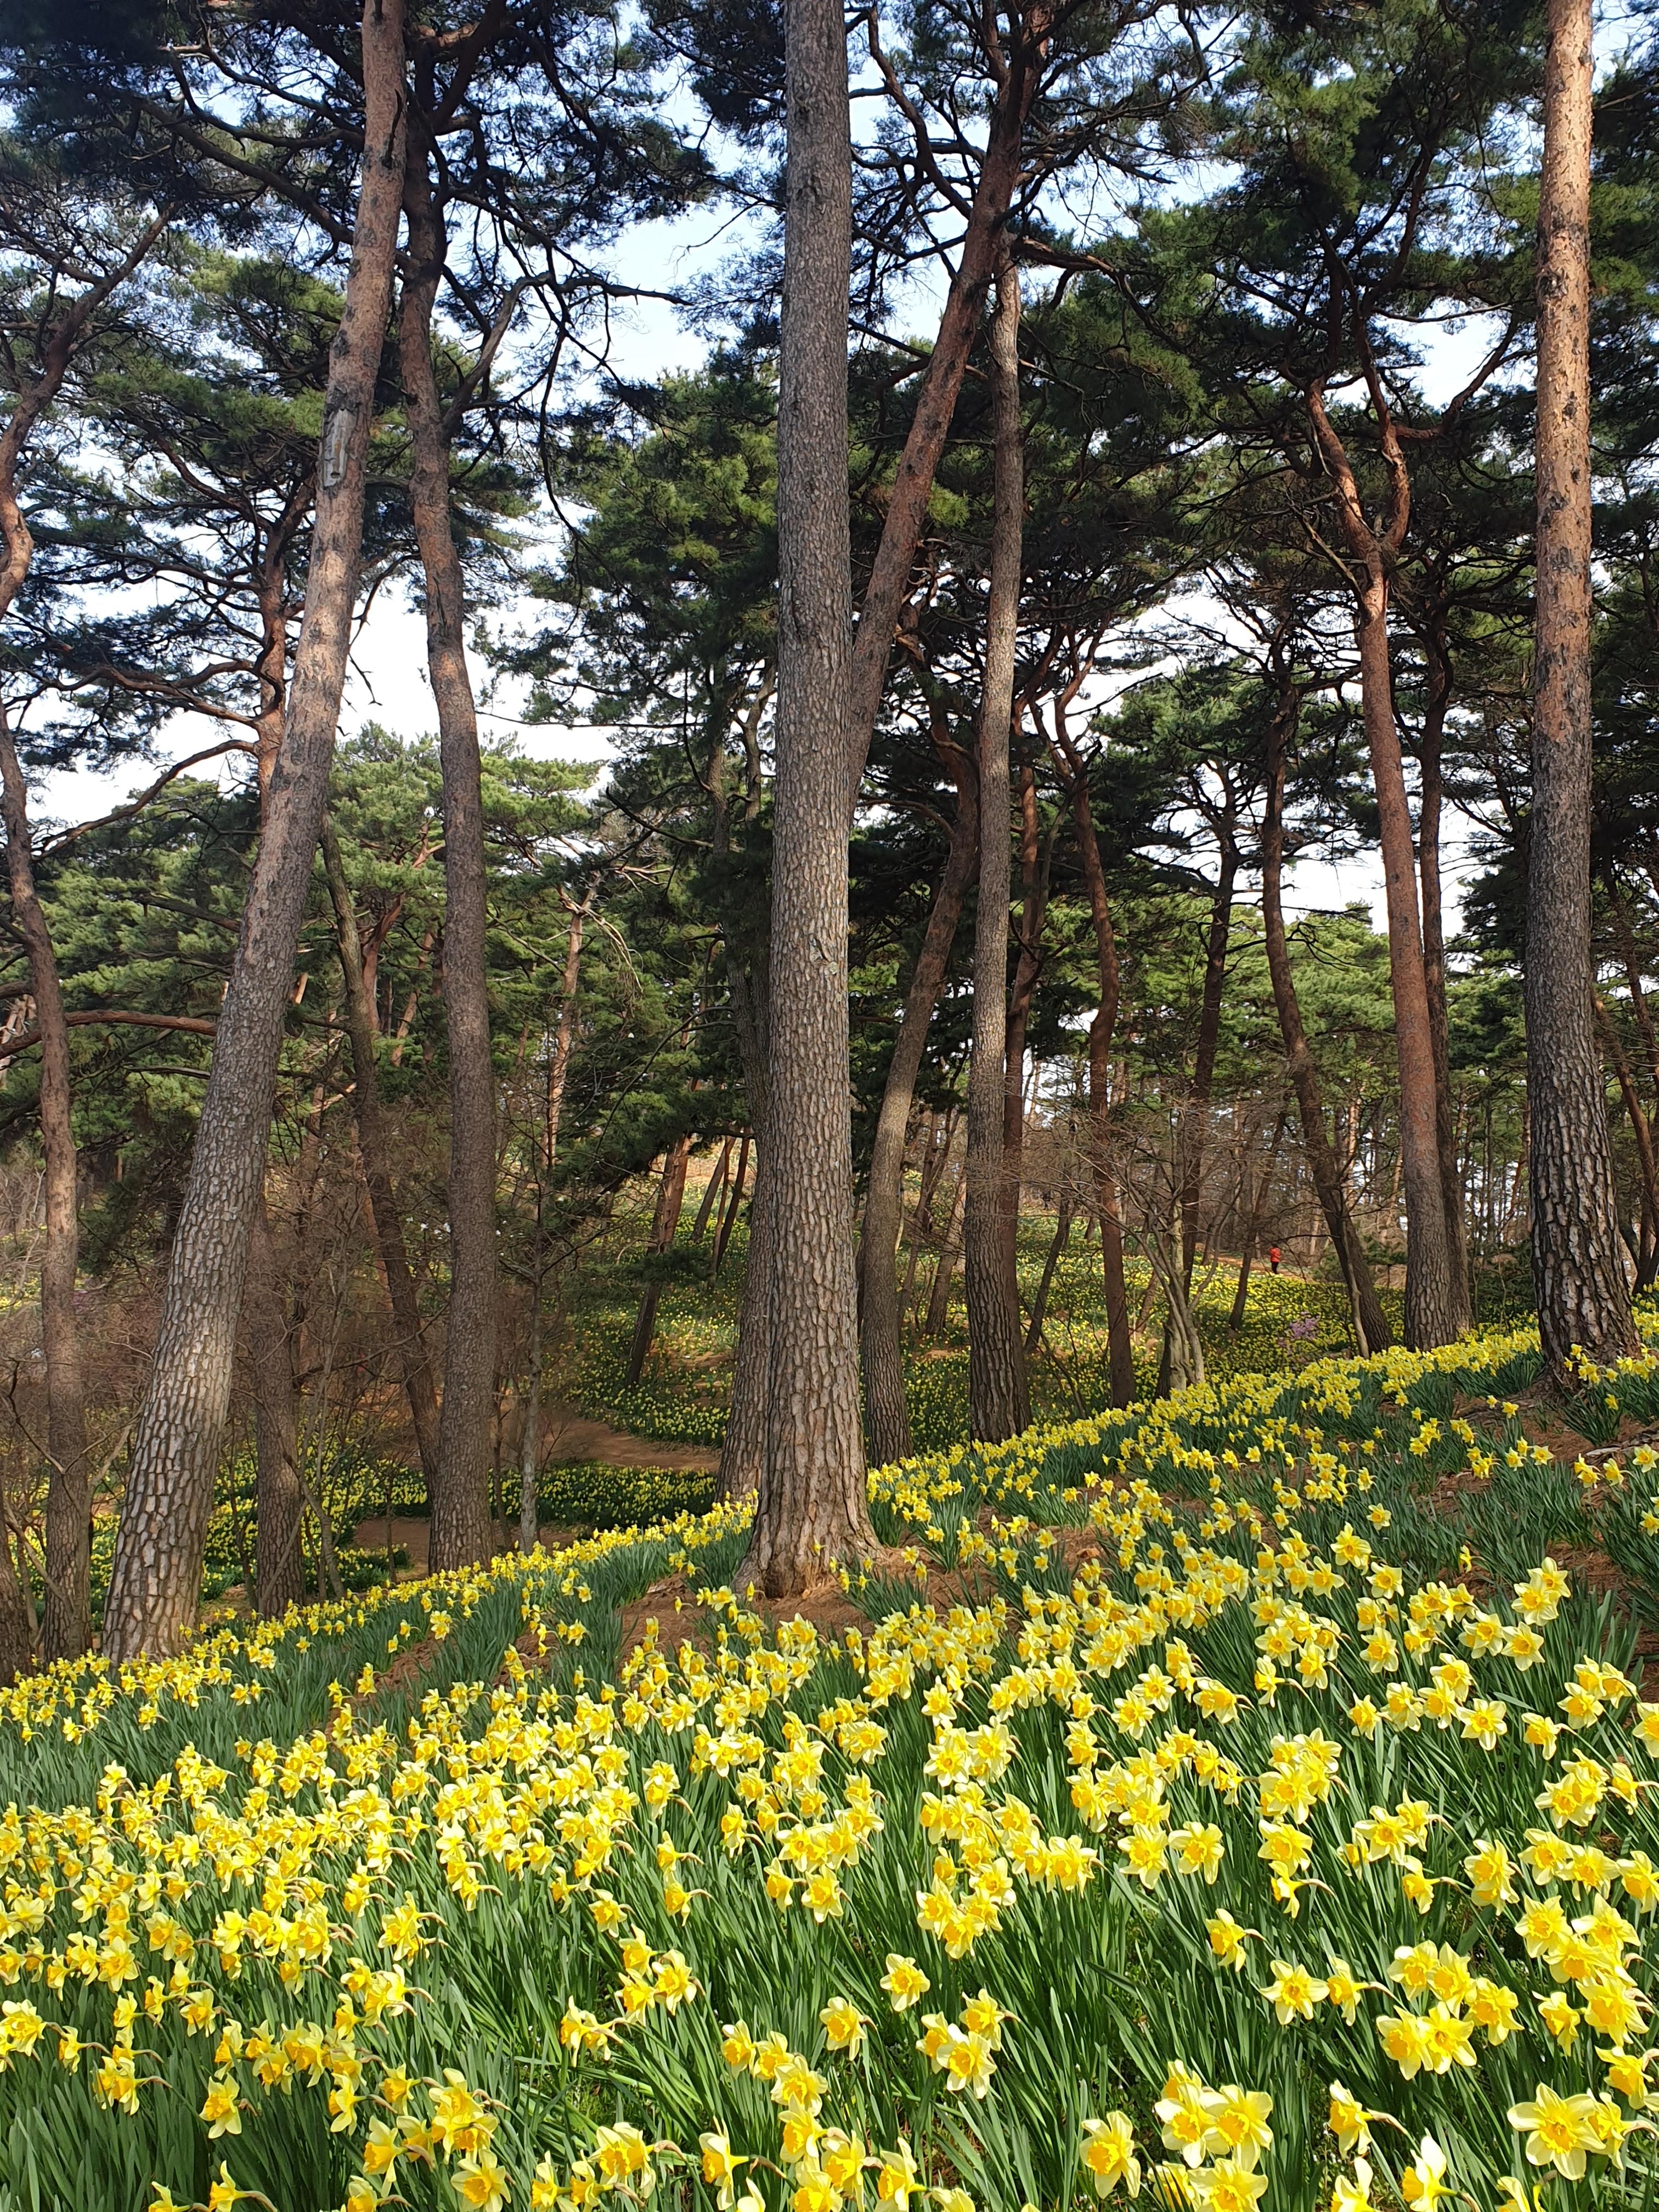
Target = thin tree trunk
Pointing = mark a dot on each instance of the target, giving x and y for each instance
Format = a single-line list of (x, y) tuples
[(460, 1496), (950, 1251), (68, 1612), (1194, 1123), (1371, 1329), (1584, 1297), (1435, 1300), (1434, 970), (936, 1145), (728, 1218), (1061, 1237), (1035, 858), (1262, 1184), (1641, 1128), (813, 1505), (373, 1148), (530, 1443), (564, 1034), (1632, 965), (1121, 1357), (279, 1496), (665, 1226), (998, 1401), (712, 1190), (169, 1495), (886, 1414)]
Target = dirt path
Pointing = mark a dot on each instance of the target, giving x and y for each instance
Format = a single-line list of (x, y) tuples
[(569, 1435)]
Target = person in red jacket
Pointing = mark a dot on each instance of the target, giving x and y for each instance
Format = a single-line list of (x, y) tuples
[(1272, 1258)]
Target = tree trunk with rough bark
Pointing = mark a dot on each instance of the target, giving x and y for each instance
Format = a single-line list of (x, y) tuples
[(374, 1150), (997, 1400), (460, 1496), (67, 1614), (158, 1556), (813, 1506), (1371, 1329), (1583, 1297)]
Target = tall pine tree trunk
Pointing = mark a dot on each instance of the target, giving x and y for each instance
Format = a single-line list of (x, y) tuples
[(997, 1400), (460, 1496), (1584, 1297), (169, 1495), (373, 1148), (812, 1505)]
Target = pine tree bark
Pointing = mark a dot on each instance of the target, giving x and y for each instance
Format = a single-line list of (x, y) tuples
[(1583, 1297), (812, 1505), (886, 1414), (997, 1400), (1371, 1329), (460, 1496), (1436, 1297), (1051, 1259), (373, 1148), (158, 1555)]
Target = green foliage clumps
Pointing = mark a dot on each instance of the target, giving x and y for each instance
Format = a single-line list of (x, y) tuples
[(592, 1494)]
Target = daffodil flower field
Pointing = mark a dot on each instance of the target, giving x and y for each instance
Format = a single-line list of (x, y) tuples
[(1244, 1801)]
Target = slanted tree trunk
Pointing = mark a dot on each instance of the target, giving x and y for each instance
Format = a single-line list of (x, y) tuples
[(743, 1451), (374, 1150), (997, 1400), (936, 1145), (712, 1190), (1583, 1297), (460, 1496), (813, 1506), (67, 1622), (950, 1252), (1371, 1329), (1057, 1242), (735, 1200), (886, 1415), (1436, 1300), (169, 1495), (664, 1227)]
